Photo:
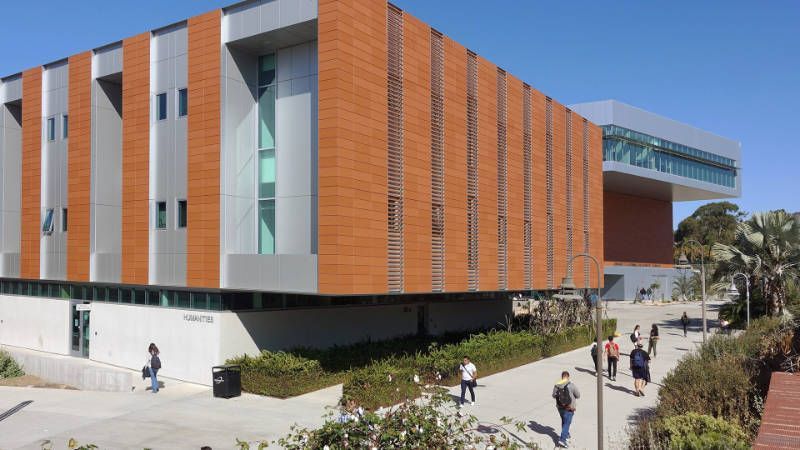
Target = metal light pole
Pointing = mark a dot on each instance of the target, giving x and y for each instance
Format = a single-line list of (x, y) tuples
[(567, 283), (734, 290), (683, 261)]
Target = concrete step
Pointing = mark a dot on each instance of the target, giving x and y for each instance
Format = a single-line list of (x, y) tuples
[(80, 373)]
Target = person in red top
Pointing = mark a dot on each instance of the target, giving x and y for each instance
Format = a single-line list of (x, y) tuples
[(612, 352)]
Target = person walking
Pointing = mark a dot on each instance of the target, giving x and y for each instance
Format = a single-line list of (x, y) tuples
[(612, 354), (153, 365), (653, 341), (566, 394), (636, 336), (593, 352), (469, 380), (639, 369), (684, 322)]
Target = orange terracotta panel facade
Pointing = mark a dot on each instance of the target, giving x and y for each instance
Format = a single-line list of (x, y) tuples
[(516, 196), (596, 206), (487, 175), (580, 272), (417, 155), (353, 163), (559, 193), (79, 165), (30, 232), (135, 158), (455, 165), (539, 186), (203, 151)]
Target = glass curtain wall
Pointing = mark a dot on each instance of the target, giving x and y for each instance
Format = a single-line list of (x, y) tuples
[(266, 154)]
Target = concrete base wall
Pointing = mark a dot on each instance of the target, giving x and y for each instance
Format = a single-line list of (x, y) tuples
[(191, 342), (35, 323), (623, 282)]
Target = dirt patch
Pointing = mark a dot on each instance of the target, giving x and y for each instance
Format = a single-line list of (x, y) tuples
[(32, 381)]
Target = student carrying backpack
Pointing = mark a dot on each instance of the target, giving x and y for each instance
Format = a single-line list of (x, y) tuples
[(639, 369), (612, 350), (566, 394)]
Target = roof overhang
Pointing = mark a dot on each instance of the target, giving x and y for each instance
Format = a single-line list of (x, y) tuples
[(632, 180)]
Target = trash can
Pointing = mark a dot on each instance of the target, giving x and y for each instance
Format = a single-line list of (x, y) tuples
[(227, 381)]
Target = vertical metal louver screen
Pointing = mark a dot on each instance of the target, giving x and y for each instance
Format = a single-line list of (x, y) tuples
[(472, 172), (549, 188), (437, 162), (395, 149), (527, 177), (502, 184), (586, 200), (570, 215)]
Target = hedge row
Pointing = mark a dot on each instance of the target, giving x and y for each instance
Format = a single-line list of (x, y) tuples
[(381, 373)]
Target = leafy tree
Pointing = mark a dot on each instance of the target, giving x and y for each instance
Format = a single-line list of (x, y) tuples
[(709, 224), (767, 247)]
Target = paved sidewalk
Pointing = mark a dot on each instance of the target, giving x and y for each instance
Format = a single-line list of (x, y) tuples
[(184, 415), (524, 393)]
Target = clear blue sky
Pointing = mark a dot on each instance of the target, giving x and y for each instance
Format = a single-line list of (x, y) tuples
[(732, 67)]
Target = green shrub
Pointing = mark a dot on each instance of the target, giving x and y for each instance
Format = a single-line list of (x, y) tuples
[(693, 431), (282, 374), (8, 367), (383, 383)]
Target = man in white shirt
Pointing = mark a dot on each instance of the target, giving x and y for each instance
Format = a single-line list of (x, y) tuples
[(469, 379)]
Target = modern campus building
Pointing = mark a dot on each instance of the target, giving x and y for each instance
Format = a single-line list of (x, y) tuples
[(649, 162), (283, 173)]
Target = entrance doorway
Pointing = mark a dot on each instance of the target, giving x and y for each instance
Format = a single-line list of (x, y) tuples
[(80, 329)]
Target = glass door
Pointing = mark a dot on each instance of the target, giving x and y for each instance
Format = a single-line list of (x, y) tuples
[(80, 329), (85, 330)]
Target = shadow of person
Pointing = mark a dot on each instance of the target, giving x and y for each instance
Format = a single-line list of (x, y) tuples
[(538, 428), (589, 371), (620, 389)]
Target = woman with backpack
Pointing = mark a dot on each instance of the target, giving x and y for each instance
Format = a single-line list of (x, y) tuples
[(636, 336), (639, 369), (612, 352), (153, 365)]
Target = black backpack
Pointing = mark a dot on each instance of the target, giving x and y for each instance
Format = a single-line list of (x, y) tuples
[(155, 362), (563, 397), (633, 338)]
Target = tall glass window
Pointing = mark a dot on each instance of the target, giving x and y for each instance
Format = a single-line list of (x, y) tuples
[(266, 154)]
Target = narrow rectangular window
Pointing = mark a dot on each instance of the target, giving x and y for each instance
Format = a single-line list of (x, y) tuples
[(161, 106), (47, 222), (570, 193), (63, 220), (472, 172), (437, 162), (527, 187), (395, 199), (549, 189), (502, 183), (182, 214), (266, 102), (183, 102), (266, 227), (64, 126), (51, 128), (161, 215)]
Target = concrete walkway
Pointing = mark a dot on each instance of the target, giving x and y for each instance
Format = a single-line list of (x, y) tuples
[(184, 415), (524, 393)]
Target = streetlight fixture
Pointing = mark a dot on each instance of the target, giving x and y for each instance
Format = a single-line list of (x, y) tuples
[(568, 283), (733, 290), (683, 263)]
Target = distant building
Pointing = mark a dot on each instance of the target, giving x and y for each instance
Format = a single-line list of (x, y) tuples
[(650, 161)]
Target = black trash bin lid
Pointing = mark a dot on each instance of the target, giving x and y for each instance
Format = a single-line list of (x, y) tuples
[(226, 367)]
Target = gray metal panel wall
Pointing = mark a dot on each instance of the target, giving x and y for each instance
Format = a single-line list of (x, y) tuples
[(261, 16), (168, 145), (55, 89), (107, 61), (10, 169), (105, 223)]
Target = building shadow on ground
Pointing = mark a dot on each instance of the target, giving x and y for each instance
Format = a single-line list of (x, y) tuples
[(544, 430)]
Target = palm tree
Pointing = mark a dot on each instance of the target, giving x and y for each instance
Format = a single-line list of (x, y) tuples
[(767, 246), (685, 286)]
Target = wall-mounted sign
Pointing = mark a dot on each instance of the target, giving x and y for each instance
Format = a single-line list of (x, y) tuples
[(202, 318), (83, 307)]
